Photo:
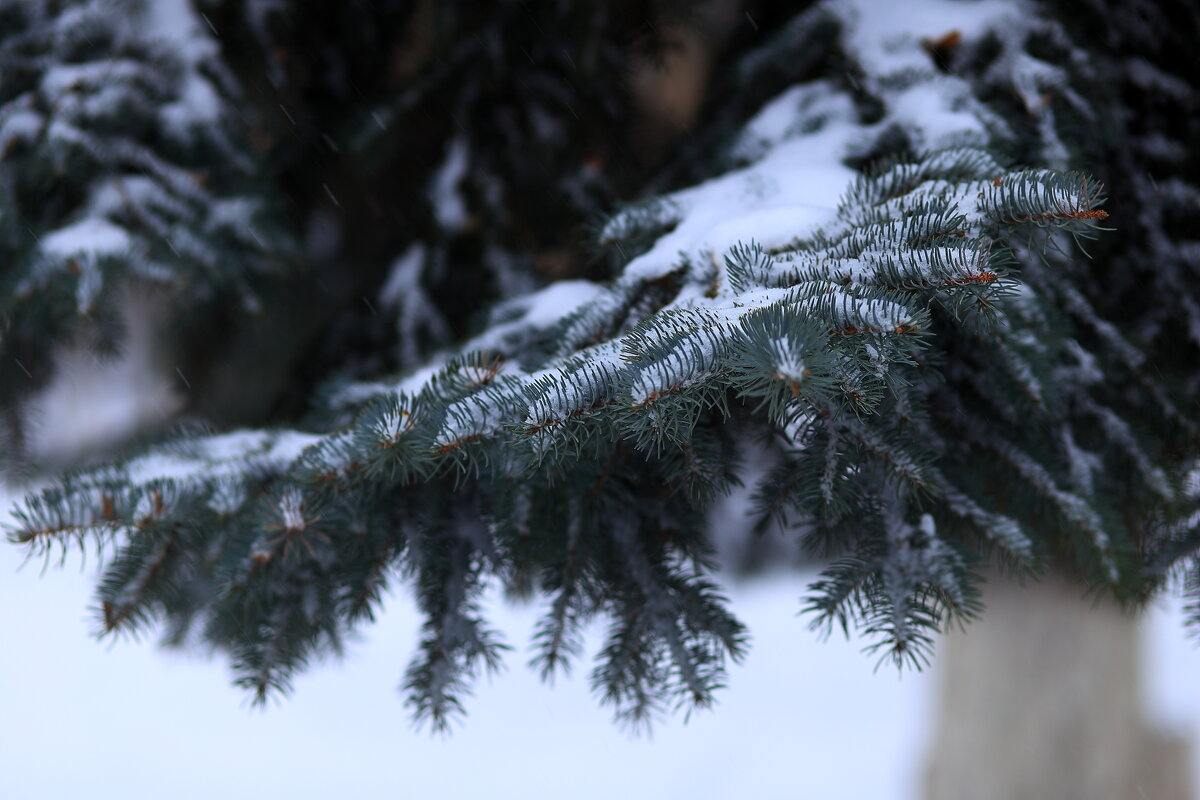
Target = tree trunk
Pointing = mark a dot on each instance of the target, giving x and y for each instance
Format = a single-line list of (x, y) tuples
[(1041, 698)]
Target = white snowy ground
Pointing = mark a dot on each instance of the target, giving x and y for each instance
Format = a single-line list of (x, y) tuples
[(80, 718), (801, 718)]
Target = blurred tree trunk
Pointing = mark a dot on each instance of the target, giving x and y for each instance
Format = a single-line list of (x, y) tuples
[(1042, 699)]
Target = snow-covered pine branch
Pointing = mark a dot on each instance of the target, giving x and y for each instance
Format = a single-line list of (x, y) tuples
[(863, 277)]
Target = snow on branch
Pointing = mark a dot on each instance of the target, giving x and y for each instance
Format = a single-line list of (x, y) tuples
[(854, 287)]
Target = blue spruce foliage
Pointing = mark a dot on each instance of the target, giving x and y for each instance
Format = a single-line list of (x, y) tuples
[(871, 290)]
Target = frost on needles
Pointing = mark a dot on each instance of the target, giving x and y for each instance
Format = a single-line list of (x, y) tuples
[(865, 284)]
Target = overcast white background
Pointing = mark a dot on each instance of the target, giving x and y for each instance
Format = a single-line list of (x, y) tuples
[(801, 718)]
